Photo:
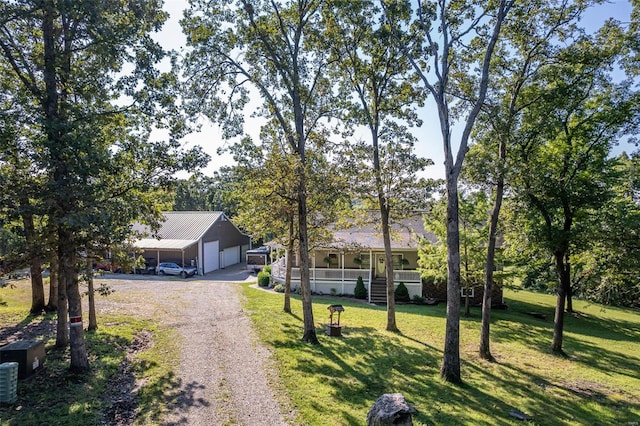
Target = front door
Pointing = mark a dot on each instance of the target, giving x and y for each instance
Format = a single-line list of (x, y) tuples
[(380, 266)]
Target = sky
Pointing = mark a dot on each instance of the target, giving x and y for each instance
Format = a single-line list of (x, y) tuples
[(429, 143)]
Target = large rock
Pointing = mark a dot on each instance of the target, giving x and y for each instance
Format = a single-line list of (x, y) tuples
[(390, 409)]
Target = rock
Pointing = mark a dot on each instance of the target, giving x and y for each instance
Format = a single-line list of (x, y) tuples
[(519, 415), (390, 409)]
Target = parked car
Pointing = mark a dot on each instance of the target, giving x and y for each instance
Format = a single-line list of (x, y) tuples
[(170, 268)]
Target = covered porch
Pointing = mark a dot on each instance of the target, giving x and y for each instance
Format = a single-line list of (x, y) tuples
[(336, 272)]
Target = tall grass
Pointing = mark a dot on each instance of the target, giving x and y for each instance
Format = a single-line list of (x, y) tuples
[(337, 382)]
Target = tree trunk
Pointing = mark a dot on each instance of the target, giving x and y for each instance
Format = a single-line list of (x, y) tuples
[(485, 349), (64, 204), (467, 302), (35, 261), (309, 335), (558, 322), (69, 278), (570, 299), (37, 286), (289, 266), (53, 284), (450, 369), (391, 301), (93, 319), (62, 329)]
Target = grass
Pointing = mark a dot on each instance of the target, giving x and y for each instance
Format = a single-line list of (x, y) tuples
[(337, 382), (57, 396)]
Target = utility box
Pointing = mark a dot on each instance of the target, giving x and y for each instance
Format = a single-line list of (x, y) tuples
[(8, 382), (29, 354)]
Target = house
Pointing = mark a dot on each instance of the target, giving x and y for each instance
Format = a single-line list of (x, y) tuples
[(358, 251), (207, 240)]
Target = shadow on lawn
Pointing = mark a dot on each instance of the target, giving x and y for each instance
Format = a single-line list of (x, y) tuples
[(32, 327), (538, 334), (360, 369), (368, 362), (553, 403)]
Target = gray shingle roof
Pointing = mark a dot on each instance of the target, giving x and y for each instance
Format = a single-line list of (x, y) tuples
[(404, 235)]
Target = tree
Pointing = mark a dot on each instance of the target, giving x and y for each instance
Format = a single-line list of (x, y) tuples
[(605, 272), (565, 173), (459, 41), (528, 44), (199, 192), (22, 181), (370, 66), (473, 234), (271, 46), (265, 196), (265, 193), (67, 58)]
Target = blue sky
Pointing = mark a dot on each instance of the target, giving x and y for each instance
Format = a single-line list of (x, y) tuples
[(429, 140)]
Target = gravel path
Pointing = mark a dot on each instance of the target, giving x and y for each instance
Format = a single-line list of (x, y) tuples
[(222, 375)]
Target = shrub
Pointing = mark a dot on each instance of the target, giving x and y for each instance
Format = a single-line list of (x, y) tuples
[(334, 292), (267, 269), (279, 288), (360, 292), (264, 279), (401, 293), (419, 300)]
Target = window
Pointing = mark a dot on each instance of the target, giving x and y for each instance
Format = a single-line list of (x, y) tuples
[(397, 261), (465, 291), (366, 260), (331, 260)]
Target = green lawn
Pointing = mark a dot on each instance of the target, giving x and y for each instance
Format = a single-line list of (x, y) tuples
[(336, 382)]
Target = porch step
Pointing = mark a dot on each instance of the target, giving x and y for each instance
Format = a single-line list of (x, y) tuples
[(379, 292)]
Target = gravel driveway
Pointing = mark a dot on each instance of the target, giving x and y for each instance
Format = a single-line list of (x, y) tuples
[(223, 370)]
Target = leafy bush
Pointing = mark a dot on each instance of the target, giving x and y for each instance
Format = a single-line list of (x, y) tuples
[(279, 288), (418, 299), (360, 292), (264, 278), (267, 269), (334, 292), (401, 293)]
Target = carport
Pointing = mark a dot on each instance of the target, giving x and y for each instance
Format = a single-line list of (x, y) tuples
[(179, 251)]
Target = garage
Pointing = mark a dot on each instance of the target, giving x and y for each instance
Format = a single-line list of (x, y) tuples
[(229, 256), (206, 239), (210, 256)]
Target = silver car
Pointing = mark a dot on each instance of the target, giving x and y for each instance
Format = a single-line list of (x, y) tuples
[(170, 268)]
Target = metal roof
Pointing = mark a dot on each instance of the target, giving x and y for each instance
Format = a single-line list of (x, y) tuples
[(179, 229)]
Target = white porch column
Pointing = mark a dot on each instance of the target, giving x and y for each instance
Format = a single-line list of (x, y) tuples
[(342, 261), (313, 269), (369, 283)]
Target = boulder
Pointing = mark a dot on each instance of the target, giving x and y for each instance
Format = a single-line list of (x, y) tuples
[(390, 409)]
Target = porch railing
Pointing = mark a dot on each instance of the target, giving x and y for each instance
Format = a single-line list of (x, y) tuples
[(406, 276), (278, 270)]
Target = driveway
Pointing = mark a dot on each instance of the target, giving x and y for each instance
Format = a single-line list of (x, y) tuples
[(223, 377)]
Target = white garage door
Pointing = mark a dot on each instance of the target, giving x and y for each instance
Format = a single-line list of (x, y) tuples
[(230, 256), (210, 256)]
